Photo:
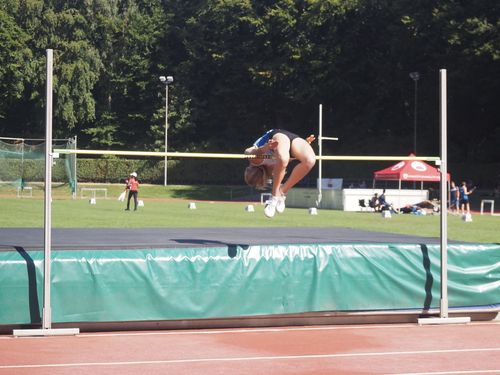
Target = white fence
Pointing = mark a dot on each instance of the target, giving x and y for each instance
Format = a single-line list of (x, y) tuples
[(348, 199)]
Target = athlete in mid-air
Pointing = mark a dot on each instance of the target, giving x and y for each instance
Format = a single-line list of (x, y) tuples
[(279, 146)]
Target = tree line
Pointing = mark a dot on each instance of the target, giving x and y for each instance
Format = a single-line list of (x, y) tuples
[(241, 67)]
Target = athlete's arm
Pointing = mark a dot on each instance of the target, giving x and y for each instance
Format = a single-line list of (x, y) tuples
[(254, 150), (311, 139)]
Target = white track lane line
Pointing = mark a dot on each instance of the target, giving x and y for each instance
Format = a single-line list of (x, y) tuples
[(451, 372), (246, 359)]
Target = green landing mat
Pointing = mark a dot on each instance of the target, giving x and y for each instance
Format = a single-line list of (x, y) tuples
[(221, 282)]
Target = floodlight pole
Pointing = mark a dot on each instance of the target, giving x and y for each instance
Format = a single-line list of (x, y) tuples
[(167, 81), (75, 142), (49, 157), (22, 166), (415, 76), (320, 152), (166, 132)]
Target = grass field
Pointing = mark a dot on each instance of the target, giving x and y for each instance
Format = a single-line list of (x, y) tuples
[(168, 208)]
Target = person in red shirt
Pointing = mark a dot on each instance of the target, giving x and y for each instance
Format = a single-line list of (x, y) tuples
[(132, 185)]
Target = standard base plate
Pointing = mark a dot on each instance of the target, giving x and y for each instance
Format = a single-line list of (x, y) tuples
[(456, 320), (46, 332)]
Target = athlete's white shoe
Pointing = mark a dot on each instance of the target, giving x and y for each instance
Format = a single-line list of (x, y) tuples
[(280, 206), (270, 208)]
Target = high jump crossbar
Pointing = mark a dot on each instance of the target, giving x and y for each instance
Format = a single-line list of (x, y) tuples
[(202, 155), (35, 139)]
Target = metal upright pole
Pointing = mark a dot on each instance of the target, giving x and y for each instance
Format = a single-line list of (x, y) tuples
[(320, 165), (443, 315), (49, 157), (47, 314), (443, 197)]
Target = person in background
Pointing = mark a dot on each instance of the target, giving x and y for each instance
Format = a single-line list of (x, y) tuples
[(454, 198), (382, 202), (464, 198), (374, 202), (132, 186), (384, 205)]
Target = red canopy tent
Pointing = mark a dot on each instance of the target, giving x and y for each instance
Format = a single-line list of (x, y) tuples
[(409, 170)]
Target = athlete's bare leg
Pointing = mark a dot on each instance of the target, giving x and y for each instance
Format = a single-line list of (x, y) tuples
[(304, 153), (282, 155)]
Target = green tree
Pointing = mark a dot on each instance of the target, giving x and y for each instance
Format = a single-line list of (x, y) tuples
[(471, 31), (218, 44), (55, 25), (13, 70), (243, 66), (128, 40)]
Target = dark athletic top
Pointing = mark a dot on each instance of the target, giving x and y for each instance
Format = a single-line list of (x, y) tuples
[(464, 198), (266, 137), (269, 134)]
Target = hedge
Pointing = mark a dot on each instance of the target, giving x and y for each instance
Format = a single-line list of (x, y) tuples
[(180, 172), (12, 170), (230, 171), (214, 171)]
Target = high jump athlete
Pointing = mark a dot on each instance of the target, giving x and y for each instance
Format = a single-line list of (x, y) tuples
[(279, 145)]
